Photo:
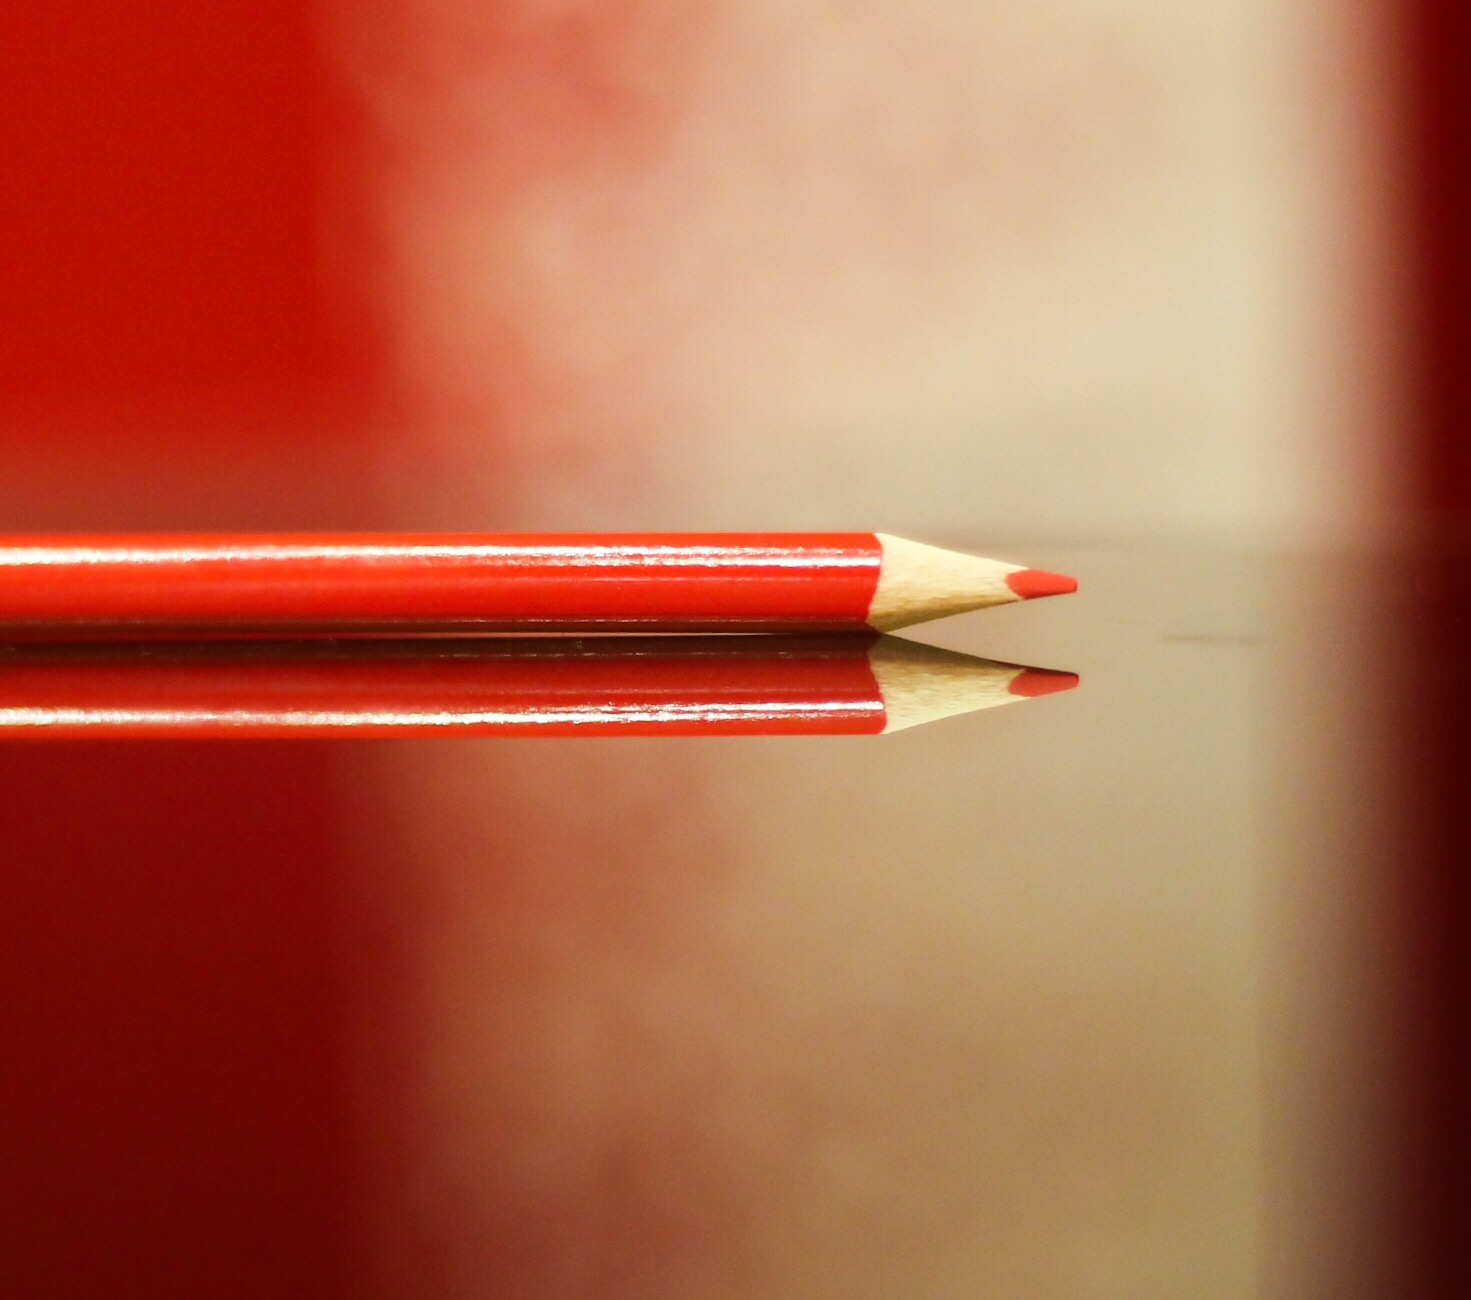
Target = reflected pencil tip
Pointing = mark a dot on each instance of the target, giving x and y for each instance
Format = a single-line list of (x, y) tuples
[(1031, 682), (921, 683), (1030, 584)]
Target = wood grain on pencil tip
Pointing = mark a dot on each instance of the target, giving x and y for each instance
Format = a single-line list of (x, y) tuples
[(67, 587), (550, 686)]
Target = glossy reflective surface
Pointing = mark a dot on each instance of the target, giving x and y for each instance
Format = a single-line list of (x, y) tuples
[(1092, 997)]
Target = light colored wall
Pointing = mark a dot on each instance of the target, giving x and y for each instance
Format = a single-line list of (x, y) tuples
[(962, 269)]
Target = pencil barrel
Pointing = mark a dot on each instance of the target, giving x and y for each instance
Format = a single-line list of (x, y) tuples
[(249, 586)]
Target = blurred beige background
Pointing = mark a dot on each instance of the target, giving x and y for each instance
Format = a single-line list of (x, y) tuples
[(1063, 270)]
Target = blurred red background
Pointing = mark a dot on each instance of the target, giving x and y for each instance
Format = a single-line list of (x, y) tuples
[(186, 254), (1433, 802), (191, 305)]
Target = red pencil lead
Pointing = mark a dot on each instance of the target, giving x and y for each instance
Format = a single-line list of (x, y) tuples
[(1029, 584), (1031, 682)]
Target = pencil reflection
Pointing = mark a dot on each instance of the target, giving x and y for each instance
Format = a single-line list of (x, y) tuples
[(731, 685)]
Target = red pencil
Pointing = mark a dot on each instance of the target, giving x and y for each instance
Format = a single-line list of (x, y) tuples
[(68, 587), (628, 686)]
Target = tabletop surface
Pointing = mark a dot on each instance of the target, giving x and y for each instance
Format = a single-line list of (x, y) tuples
[(1066, 999)]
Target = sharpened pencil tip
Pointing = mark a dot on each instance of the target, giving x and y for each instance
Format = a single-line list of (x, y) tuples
[(1029, 584), (1032, 682)]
